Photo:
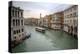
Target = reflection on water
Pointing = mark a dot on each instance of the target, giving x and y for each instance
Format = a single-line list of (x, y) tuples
[(51, 40)]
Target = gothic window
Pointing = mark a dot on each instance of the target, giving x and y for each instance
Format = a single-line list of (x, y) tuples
[(13, 22)]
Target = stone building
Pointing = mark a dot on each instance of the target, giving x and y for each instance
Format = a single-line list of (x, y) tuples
[(16, 23), (46, 21), (57, 20), (41, 22), (49, 20), (31, 21), (71, 20)]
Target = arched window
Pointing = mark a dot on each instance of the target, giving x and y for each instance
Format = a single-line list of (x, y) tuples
[(21, 22), (16, 22), (12, 13), (22, 29), (14, 32), (21, 14), (13, 22)]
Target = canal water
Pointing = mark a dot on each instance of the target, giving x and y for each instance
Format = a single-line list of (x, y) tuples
[(48, 41)]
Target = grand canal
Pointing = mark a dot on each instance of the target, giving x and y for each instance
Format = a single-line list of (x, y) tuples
[(50, 40)]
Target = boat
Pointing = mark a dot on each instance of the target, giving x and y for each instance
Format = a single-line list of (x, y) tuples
[(39, 29), (28, 35)]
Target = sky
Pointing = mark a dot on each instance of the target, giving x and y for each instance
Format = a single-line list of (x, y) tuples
[(33, 9)]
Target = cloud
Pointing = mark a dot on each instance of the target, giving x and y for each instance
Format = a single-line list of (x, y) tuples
[(34, 9)]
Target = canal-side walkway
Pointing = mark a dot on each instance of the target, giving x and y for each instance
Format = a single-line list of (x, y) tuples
[(50, 40)]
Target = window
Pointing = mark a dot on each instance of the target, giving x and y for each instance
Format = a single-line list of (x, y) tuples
[(75, 14), (14, 32), (22, 30), (12, 14), (21, 14), (70, 15), (15, 13), (13, 22), (16, 22), (14, 37), (19, 31), (75, 22), (21, 22), (75, 7)]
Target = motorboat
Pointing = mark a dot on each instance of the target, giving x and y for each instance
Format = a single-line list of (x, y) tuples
[(40, 29)]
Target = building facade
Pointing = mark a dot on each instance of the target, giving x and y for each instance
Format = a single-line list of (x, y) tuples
[(46, 21), (31, 21), (49, 20), (71, 20), (17, 23), (41, 22), (57, 20)]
